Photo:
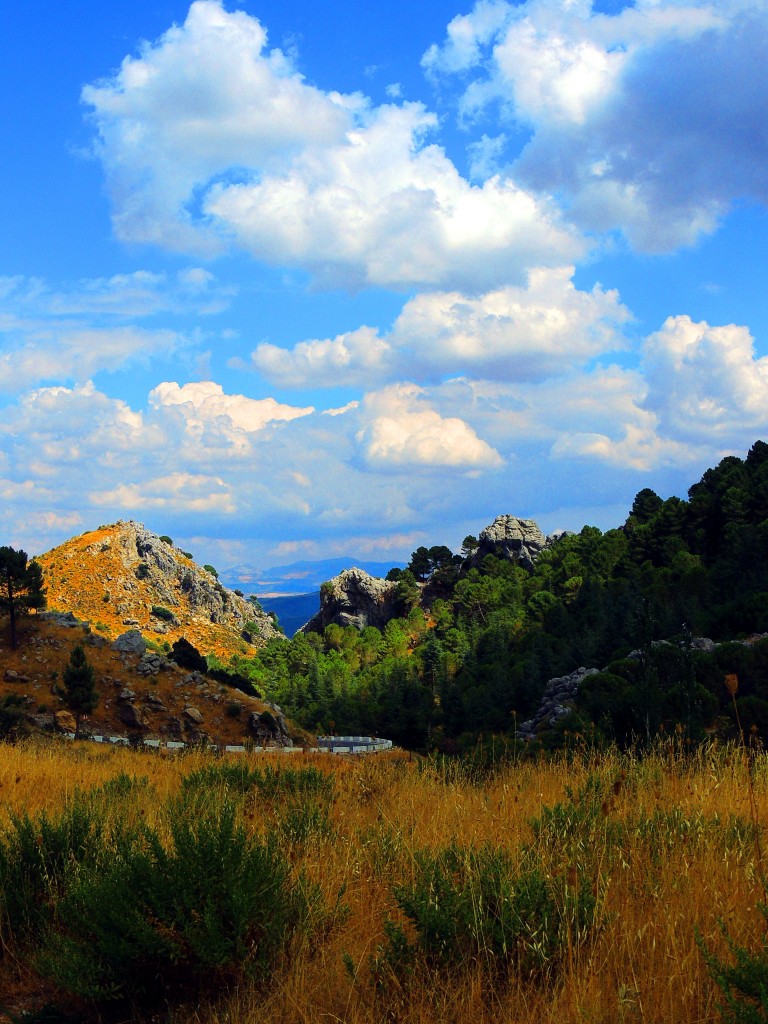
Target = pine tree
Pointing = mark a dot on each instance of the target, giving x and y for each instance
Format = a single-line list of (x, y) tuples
[(80, 694), (21, 586)]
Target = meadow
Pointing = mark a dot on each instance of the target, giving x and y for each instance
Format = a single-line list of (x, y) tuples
[(583, 886)]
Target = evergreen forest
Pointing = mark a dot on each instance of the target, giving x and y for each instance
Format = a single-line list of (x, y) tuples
[(476, 643)]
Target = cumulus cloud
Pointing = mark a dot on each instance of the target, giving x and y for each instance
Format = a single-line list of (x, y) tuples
[(706, 381), (208, 138), (650, 120), (205, 403), (511, 333), (401, 429)]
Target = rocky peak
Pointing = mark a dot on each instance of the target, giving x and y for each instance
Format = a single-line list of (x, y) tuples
[(353, 598), (125, 575), (519, 540)]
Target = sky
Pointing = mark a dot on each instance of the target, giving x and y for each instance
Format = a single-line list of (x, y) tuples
[(293, 281)]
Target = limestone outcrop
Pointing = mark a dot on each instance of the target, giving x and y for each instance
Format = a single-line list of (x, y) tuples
[(507, 536), (353, 598)]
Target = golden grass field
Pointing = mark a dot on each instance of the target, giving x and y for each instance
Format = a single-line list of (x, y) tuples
[(687, 858)]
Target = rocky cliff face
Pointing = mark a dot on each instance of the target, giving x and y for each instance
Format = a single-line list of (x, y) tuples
[(353, 598), (509, 537), (125, 575)]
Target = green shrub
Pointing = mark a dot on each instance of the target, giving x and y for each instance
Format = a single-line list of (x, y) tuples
[(154, 923), (166, 539), (211, 570), (12, 720), (268, 782), (142, 571), (473, 905), (36, 858), (162, 613), (186, 655), (743, 981)]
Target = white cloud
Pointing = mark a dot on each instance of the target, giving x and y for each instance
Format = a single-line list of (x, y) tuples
[(706, 382), (208, 138), (51, 353), (72, 333), (649, 120), (140, 293), (195, 491), (512, 333), (356, 357), (402, 430), (204, 405)]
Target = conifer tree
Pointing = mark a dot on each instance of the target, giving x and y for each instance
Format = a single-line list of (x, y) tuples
[(80, 694), (21, 586)]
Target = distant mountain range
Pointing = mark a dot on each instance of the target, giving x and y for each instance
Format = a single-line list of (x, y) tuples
[(297, 577)]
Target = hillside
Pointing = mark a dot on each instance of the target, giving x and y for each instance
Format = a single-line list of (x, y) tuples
[(124, 576), (140, 696), (663, 607)]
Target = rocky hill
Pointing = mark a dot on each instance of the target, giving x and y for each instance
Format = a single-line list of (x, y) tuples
[(142, 695), (124, 576)]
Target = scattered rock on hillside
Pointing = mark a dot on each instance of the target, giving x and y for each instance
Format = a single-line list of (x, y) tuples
[(556, 701), (131, 642), (353, 598), (65, 721)]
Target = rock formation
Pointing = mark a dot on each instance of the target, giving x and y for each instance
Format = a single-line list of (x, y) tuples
[(556, 701), (353, 598), (509, 537)]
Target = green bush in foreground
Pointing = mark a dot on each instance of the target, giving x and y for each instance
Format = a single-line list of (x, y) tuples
[(37, 855), (159, 921), (474, 905)]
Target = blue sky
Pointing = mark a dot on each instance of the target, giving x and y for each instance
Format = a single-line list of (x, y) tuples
[(297, 281)]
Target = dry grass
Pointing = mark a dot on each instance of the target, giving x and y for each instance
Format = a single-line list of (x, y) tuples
[(670, 850)]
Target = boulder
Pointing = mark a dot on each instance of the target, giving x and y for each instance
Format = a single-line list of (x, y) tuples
[(556, 701), (67, 619), (193, 715), (151, 663), (131, 716), (65, 721), (267, 727), (126, 695), (131, 642)]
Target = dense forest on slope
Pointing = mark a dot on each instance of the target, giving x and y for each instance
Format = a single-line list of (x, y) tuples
[(476, 644)]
